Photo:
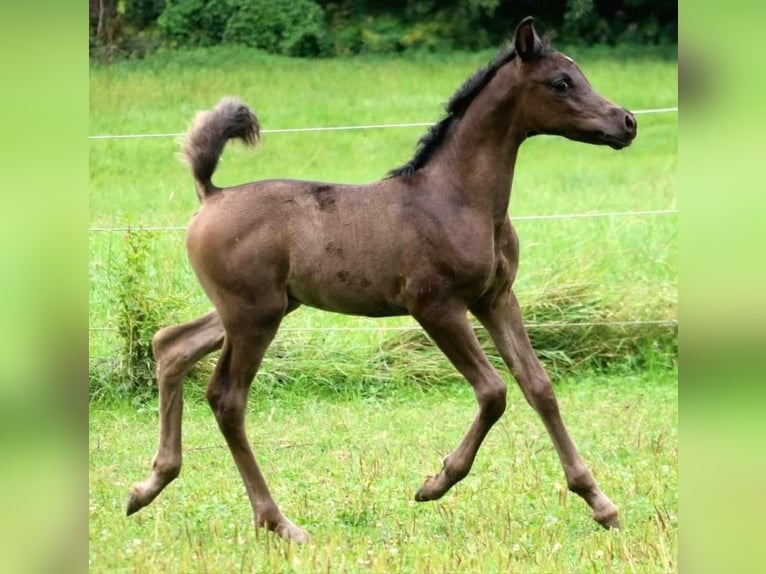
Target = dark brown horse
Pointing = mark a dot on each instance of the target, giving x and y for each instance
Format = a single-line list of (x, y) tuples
[(432, 240)]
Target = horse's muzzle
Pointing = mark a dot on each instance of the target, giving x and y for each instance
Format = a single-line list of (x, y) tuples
[(630, 124), (621, 132), (629, 129)]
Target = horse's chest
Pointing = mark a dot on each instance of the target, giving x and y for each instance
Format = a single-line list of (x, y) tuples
[(486, 259), (467, 261)]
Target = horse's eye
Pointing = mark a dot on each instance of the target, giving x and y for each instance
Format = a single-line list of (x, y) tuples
[(562, 86)]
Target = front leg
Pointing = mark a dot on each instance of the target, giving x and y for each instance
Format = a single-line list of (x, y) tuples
[(501, 315), (448, 326)]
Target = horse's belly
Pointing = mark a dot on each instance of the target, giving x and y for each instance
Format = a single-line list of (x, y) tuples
[(350, 295)]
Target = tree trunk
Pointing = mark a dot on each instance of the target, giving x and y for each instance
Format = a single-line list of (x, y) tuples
[(109, 25)]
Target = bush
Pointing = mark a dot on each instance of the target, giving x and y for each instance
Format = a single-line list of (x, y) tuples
[(288, 27), (142, 14), (195, 22), (344, 27), (141, 312), (633, 22), (421, 25)]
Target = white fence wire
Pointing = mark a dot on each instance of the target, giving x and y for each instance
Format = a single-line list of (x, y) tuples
[(329, 128)]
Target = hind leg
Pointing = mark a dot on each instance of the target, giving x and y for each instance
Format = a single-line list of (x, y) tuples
[(501, 316), (176, 350), (248, 334)]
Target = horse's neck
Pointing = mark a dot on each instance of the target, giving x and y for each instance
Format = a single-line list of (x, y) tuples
[(480, 153)]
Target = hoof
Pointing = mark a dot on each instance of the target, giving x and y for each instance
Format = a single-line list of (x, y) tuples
[(285, 529), (433, 488), (134, 504), (294, 534), (421, 496), (139, 497), (609, 518)]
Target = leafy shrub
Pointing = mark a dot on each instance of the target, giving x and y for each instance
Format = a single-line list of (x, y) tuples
[(382, 35), (418, 25), (345, 27), (142, 13), (635, 22), (289, 27), (141, 311), (195, 22)]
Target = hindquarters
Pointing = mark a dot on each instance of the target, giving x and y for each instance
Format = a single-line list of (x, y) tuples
[(240, 259)]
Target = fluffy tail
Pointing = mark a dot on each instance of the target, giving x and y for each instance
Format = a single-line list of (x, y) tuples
[(204, 143)]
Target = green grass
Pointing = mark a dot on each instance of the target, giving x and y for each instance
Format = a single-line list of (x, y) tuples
[(591, 270), (347, 471), (346, 423)]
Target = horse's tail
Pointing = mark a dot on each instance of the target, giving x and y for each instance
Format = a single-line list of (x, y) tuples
[(204, 143)]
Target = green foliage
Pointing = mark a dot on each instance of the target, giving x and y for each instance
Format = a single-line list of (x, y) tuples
[(346, 471), (420, 25), (638, 22), (140, 312), (142, 13), (289, 27), (337, 27), (195, 22)]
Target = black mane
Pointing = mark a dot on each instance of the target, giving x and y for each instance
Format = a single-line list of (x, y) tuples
[(455, 108)]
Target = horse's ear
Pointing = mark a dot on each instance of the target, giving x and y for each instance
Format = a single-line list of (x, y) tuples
[(526, 41)]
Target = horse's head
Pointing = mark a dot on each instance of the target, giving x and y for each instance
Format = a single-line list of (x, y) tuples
[(557, 99)]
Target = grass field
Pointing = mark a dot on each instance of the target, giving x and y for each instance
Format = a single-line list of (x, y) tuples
[(348, 417), (347, 472)]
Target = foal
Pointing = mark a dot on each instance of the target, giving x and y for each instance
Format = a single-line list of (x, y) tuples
[(432, 240)]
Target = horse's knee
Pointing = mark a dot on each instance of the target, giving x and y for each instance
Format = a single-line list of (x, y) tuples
[(172, 355), (161, 340), (492, 399), (167, 357)]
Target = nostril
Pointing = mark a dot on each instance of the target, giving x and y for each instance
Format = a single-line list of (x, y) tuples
[(630, 121)]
